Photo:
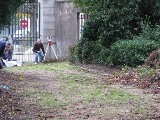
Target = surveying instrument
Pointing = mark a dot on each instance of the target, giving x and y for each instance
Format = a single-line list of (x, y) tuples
[(50, 44)]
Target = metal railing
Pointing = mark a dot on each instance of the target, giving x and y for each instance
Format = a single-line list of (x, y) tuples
[(24, 30), (81, 20)]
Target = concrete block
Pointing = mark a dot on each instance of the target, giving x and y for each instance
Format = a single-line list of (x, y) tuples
[(48, 11), (49, 19), (48, 3), (49, 25), (48, 32)]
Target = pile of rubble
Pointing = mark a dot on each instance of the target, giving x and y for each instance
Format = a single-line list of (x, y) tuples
[(153, 60)]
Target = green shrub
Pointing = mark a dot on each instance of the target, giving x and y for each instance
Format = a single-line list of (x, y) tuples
[(149, 32), (72, 56), (98, 45), (131, 52), (106, 30), (91, 52), (134, 52)]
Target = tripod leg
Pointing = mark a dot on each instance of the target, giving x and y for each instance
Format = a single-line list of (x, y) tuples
[(45, 53), (54, 52)]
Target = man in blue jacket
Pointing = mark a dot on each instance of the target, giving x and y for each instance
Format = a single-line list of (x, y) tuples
[(4, 51)]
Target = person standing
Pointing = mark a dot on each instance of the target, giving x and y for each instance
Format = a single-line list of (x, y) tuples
[(38, 50)]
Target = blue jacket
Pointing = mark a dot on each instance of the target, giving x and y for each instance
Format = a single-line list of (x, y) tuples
[(2, 47)]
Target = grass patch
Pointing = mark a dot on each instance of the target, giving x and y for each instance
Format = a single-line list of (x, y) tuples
[(42, 99), (76, 88), (47, 100), (68, 89), (77, 79), (115, 97), (144, 72), (78, 85), (43, 67)]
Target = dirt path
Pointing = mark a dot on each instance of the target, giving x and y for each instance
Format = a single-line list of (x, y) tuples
[(77, 94)]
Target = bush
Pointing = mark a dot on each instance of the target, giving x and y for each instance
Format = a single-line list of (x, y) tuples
[(131, 52), (135, 52), (99, 46), (91, 52), (149, 32), (72, 51)]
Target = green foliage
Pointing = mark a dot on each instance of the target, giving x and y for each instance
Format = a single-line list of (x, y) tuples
[(112, 13), (96, 39), (107, 25), (141, 8), (134, 52), (144, 72), (72, 51), (94, 48), (149, 33), (131, 52), (151, 9), (91, 52), (108, 7)]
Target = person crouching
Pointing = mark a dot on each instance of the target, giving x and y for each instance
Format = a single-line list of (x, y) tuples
[(38, 50)]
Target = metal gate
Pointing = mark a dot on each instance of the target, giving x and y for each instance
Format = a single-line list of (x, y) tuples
[(24, 30), (82, 19)]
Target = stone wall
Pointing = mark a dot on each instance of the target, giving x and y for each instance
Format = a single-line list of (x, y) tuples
[(58, 18)]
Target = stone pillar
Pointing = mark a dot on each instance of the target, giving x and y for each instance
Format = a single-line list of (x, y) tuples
[(66, 26), (47, 25), (58, 18)]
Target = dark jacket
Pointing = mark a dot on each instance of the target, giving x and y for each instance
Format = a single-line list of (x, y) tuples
[(7, 55), (38, 47), (2, 48)]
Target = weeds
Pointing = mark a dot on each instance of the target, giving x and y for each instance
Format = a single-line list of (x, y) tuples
[(70, 91)]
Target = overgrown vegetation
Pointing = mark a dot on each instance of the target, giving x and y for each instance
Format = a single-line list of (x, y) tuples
[(131, 52), (60, 90), (110, 38)]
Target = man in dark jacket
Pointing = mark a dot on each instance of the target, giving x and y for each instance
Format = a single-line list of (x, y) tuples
[(4, 51), (38, 50)]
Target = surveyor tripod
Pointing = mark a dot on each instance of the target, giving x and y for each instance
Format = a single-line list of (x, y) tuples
[(50, 44)]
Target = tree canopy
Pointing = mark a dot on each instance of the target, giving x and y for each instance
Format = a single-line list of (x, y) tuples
[(118, 19), (141, 8)]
